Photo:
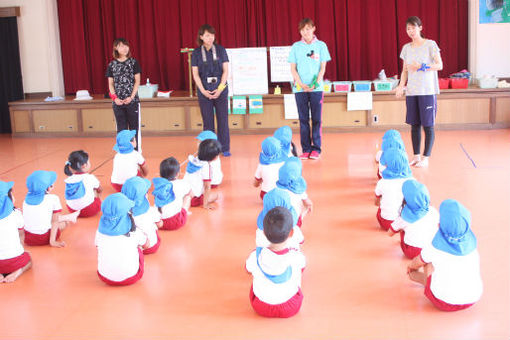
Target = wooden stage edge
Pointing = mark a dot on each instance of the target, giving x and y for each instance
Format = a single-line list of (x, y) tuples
[(466, 109)]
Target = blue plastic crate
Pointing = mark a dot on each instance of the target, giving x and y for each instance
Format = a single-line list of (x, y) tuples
[(362, 86)]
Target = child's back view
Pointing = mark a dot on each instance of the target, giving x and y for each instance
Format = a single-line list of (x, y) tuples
[(276, 269), (271, 159), (127, 162), (217, 173)]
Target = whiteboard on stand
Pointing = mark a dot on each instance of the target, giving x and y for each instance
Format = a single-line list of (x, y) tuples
[(249, 70), (280, 67)]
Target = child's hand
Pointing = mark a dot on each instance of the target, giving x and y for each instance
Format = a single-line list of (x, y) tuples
[(57, 244)]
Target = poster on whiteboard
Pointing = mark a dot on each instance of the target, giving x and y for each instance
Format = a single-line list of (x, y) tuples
[(248, 67), (280, 67)]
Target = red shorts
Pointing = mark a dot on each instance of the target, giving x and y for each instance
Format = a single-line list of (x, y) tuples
[(262, 194), (299, 222), (214, 186), (409, 251), (176, 221), (90, 210), (39, 240), (154, 248), (378, 174), (8, 266), (129, 280), (197, 201), (117, 187), (440, 304), (385, 224), (282, 310)]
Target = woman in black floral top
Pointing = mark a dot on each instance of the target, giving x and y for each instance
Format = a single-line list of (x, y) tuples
[(123, 74)]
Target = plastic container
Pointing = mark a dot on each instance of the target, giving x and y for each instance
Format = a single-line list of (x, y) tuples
[(342, 86), (488, 83), (383, 85), (327, 87), (459, 83), (444, 83), (362, 86), (147, 91)]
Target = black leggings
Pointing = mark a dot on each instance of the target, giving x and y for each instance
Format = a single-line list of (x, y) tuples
[(416, 138)]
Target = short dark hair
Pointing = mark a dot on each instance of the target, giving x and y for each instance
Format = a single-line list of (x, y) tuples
[(116, 43), (304, 22), (169, 168), (201, 31), (75, 161), (208, 149), (415, 21), (278, 224)]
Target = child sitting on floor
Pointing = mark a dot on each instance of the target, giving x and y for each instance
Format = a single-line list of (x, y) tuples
[(14, 260), (276, 269), (451, 263), (41, 211), (417, 222), (82, 188), (271, 160), (127, 162), (217, 174)]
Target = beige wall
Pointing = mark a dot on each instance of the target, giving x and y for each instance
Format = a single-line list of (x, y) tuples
[(489, 46), (41, 61)]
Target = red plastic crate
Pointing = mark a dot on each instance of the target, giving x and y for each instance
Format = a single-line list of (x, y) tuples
[(459, 83), (444, 83)]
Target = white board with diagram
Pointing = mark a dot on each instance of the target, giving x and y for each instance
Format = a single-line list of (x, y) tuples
[(247, 71)]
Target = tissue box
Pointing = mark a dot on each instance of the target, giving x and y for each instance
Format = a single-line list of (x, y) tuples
[(342, 86), (145, 91), (362, 86), (382, 85)]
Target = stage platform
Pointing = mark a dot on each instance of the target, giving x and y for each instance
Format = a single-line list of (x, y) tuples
[(471, 108)]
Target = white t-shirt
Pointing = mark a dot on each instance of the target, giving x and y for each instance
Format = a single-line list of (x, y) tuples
[(125, 166), (197, 179), (419, 233), (378, 156), (38, 217), (269, 175), (181, 188), (297, 201), (293, 242), (392, 197), (421, 82), (117, 256), (90, 182), (147, 223), (456, 279), (10, 243), (217, 174), (274, 264)]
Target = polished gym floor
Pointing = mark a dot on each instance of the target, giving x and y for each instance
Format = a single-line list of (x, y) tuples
[(195, 287)]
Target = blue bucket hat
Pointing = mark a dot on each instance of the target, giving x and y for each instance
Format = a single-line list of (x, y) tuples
[(37, 184), (163, 191), (397, 165), (271, 152), (417, 199), (454, 235), (206, 134), (289, 176), (124, 138), (392, 134), (276, 198), (390, 143), (284, 135), (6, 205), (115, 219), (135, 189)]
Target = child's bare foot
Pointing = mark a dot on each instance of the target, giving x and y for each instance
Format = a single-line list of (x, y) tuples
[(72, 217), (13, 276), (57, 244)]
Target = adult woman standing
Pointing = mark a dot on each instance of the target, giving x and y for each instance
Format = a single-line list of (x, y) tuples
[(422, 60), (209, 64)]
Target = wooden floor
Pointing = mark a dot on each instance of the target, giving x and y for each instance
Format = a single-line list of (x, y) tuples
[(195, 287)]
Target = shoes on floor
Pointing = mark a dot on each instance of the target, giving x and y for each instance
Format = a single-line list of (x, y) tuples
[(226, 154), (423, 163), (416, 159), (315, 155), (304, 155)]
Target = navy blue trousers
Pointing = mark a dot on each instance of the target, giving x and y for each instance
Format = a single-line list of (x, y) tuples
[(310, 104), (207, 108)]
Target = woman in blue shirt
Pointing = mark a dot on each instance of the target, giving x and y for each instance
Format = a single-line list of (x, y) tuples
[(209, 64)]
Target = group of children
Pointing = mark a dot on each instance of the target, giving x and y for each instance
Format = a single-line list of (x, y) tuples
[(441, 243), (277, 262), (128, 226)]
